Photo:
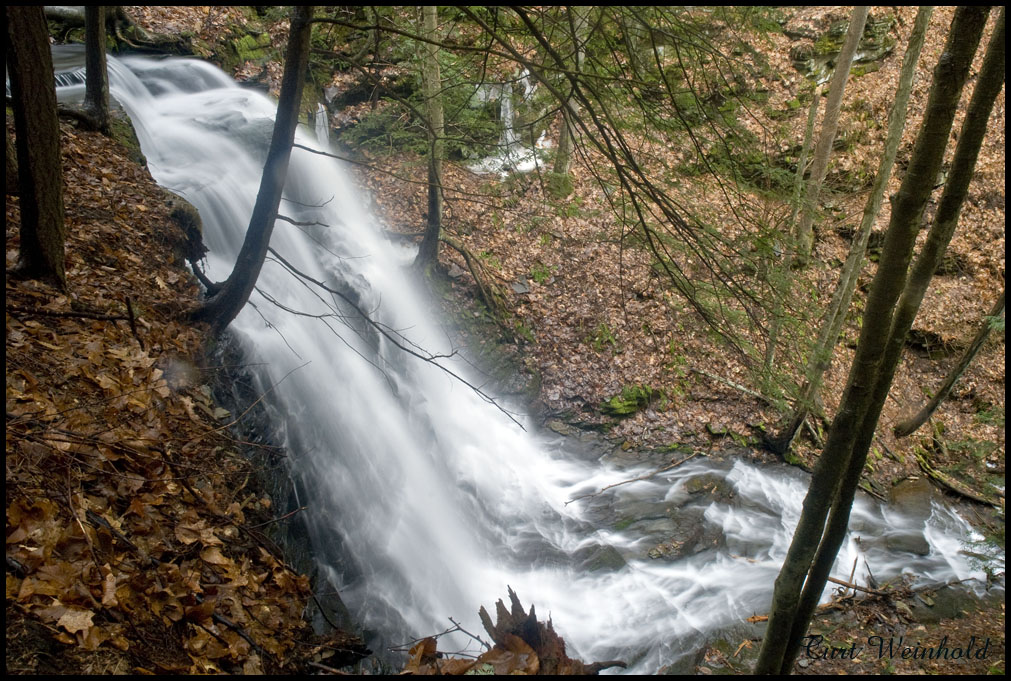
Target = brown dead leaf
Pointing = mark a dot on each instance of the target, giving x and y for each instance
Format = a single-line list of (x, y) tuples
[(75, 620), (213, 555)]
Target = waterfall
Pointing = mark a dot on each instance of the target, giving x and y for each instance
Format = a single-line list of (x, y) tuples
[(322, 122), (425, 501), (512, 154)]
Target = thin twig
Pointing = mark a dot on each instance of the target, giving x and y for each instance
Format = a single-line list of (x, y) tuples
[(855, 587), (476, 638), (277, 520), (67, 314)]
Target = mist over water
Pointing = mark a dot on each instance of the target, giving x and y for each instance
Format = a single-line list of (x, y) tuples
[(425, 501)]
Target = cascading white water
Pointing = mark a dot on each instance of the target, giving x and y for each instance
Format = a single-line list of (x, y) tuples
[(322, 125), (511, 155), (425, 500)]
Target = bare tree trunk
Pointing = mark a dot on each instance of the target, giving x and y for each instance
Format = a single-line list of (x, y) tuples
[(578, 23), (909, 425), (838, 469), (96, 89), (804, 234), (225, 304), (834, 318), (781, 285), (40, 173), (428, 251)]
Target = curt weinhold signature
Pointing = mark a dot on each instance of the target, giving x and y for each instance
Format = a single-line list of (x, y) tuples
[(893, 647)]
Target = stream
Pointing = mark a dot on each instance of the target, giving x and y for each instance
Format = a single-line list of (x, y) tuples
[(425, 501)]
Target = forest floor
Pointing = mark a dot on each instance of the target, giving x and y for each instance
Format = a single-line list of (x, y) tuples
[(132, 522)]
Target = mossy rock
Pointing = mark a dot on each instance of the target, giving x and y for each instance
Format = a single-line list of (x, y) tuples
[(631, 399), (251, 47), (817, 61), (121, 129), (187, 219)]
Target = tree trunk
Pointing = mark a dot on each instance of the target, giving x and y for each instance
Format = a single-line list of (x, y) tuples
[(804, 234), (814, 546), (428, 252), (96, 89), (781, 285), (37, 128), (909, 425), (832, 323), (579, 22), (225, 304), (11, 171)]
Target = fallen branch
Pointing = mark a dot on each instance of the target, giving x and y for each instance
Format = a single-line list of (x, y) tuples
[(328, 670), (133, 324), (489, 293), (68, 314), (949, 482), (674, 464), (735, 386), (850, 585)]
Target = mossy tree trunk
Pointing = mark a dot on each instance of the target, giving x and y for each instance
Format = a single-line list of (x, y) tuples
[(781, 283), (37, 128), (11, 165), (837, 473), (226, 302)]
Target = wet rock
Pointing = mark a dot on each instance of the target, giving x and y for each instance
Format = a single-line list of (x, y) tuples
[(913, 497), (601, 557), (716, 486), (914, 543)]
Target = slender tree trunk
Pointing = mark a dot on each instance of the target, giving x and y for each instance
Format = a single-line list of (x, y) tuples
[(40, 173), (232, 296), (804, 235), (909, 425), (96, 88), (835, 317), (428, 251), (848, 441), (579, 22), (781, 285)]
